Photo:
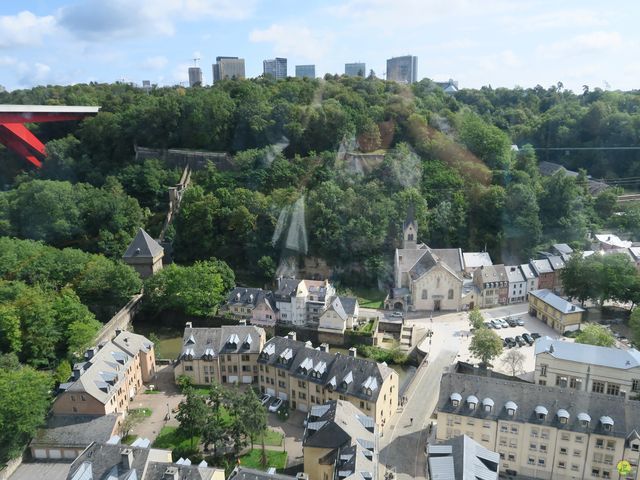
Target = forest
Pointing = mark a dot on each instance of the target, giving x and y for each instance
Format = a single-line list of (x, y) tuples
[(323, 168)]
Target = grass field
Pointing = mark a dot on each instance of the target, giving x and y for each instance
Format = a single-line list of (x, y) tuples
[(171, 439), (274, 459), (271, 437), (369, 297)]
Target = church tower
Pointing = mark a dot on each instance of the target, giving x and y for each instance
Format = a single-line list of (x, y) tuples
[(410, 231)]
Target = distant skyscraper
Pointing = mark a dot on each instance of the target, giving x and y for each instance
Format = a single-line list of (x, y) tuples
[(308, 71), (276, 67), (146, 85), (228, 68), (403, 69), (355, 69), (195, 76)]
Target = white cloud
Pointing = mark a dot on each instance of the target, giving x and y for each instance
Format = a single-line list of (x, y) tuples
[(25, 28), (155, 63), (6, 61), (98, 19), (295, 40), (584, 44), (564, 19)]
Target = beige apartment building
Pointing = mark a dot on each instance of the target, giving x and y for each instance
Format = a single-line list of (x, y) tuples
[(340, 443), (109, 378), (306, 376), (540, 431), (226, 354), (589, 368), (555, 311)]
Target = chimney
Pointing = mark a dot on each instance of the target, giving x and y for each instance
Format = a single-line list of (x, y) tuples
[(291, 335), (118, 331), (353, 352), (171, 473), (90, 353), (77, 371), (242, 321), (126, 456), (188, 325), (324, 347), (308, 344)]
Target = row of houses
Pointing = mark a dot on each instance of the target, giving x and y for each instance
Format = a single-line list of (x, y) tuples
[(310, 303), (288, 369)]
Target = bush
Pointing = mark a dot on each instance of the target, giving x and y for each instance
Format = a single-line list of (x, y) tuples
[(382, 354)]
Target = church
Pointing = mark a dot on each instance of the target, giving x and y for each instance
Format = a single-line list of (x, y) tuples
[(428, 279)]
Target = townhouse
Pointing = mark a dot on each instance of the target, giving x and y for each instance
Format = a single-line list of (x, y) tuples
[(341, 314), (493, 284), (339, 443), (588, 368), (109, 378), (555, 311), (305, 376), (540, 431), (543, 270), (226, 355), (255, 305), (517, 285)]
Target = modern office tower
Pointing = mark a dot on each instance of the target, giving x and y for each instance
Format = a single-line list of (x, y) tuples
[(403, 69), (146, 85), (228, 68), (355, 69), (195, 76), (276, 67), (303, 71)]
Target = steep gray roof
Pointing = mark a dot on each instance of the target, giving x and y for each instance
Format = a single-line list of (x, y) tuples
[(342, 373), (589, 354), (451, 256), (287, 288), (527, 271), (349, 305), (549, 168), (556, 262), (541, 266), (75, 430), (247, 297), (492, 273), (198, 342), (527, 396), (428, 258), (336, 306), (562, 248), (555, 301), (243, 473), (514, 274), (476, 259), (143, 246), (461, 458)]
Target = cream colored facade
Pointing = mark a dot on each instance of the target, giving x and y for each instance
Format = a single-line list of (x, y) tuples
[(314, 467), (560, 320), (438, 289)]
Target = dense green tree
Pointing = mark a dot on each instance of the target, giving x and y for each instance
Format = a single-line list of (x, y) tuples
[(595, 334), (24, 402), (192, 414), (485, 345), (476, 320)]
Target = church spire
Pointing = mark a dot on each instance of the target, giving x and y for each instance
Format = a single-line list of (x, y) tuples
[(410, 230)]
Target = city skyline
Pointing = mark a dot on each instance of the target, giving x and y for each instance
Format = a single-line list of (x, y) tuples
[(497, 43)]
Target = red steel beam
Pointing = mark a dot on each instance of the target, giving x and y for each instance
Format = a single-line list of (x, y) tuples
[(19, 145), (26, 137), (28, 117)]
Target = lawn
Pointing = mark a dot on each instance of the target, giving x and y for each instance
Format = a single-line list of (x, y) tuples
[(171, 439), (369, 297), (271, 437), (145, 412), (274, 459)]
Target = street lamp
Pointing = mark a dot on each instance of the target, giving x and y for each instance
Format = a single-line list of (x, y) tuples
[(168, 412)]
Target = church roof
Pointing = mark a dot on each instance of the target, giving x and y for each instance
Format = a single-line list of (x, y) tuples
[(410, 218), (143, 246)]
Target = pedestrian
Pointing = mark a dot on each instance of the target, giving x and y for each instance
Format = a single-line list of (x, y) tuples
[(411, 421)]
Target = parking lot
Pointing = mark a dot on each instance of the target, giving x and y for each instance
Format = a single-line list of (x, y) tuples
[(531, 325)]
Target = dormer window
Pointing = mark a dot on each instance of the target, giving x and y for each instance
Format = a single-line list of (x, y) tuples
[(584, 419), (487, 404), (607, 423), (541, 412), (511, 408), (472, 401), (456, 398), (563, 416)]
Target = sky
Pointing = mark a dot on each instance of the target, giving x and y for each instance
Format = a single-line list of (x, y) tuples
[(502, 43)]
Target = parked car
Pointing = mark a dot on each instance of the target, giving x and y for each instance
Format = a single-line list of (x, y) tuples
[(496, 323), (503, 323), (510, 342), (520, 341), (265, 399), (511, 321), (396, 314), (535, 335), (488, 324), (275, 406), (527, 338), (520, 322)]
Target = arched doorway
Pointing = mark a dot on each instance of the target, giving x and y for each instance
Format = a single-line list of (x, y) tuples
[(398, 306)]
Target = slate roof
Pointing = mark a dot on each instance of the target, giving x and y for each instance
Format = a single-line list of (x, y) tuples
[(562, 249), (556, 262), (514, 274), (336, 306), (590, 354), (342, 373), (243, 473), (613, 240), (246, 297), (287, 288), (476, 259), (541, 266), (461, 458), (198, 342), (549, 168), (349, 305), (132, 343), (492, 274), (419, 261), (527, 271), (143, 246), (452, 257), (555, 301), (105, 461), (75, 430), (527, 396)]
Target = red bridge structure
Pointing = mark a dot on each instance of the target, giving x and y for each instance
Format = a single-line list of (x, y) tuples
[(16, 136)]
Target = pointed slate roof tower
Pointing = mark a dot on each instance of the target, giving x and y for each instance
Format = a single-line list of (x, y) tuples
[(144, 254)]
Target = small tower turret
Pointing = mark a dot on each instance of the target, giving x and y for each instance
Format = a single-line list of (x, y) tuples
[(410, 230)]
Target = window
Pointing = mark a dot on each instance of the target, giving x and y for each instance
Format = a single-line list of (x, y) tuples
[(470, 421), (543, 370), (635, 385), (503, 427), (613, 389), (514, 429), (83, 398), (562, 464), (595, 472), (512, 457), (545, 433), (608, 459), (541, 462), (488, 425), (503, 441), (450, 294), (574, 467), (302, 384), (188, 368), (599, 443), (73, 398), (635, 447), (542, 382), (281, 384), (424, 294), (245, 358), (533, 446), (543, 448), (565, 436), (485, 437), (579, 439), (597, 387), (561, 381), (577, 453), (531, 461), (534, 432), (597, 458), (563, 451), (611, 444)]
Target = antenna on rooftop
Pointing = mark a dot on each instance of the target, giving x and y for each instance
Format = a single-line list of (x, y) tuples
[(195, 61)]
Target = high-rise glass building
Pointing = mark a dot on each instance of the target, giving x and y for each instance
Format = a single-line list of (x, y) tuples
[(303, 71), (276, 67), (403, 69), (357, 69), (228, 68), (195, 76)]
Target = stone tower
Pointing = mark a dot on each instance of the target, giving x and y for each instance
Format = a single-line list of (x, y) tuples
[(144, 254), (410, 231)]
